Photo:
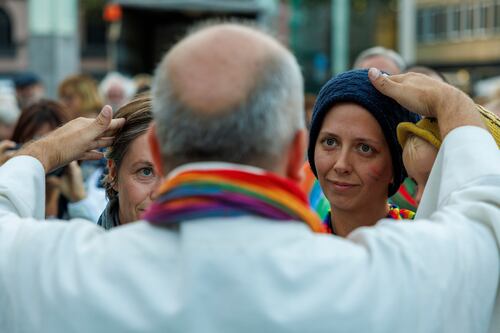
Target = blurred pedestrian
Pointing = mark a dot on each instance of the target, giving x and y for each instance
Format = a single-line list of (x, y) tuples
[(116, 90), (79, 94), (29, 89), (9, 113), (65, 190), (384, 59), (427, 71), (142, 83)]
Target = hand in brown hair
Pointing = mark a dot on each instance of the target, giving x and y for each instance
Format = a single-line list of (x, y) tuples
[(78, 139)]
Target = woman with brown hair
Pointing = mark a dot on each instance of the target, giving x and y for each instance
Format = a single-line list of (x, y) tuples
[(132, 178), (65, 189)]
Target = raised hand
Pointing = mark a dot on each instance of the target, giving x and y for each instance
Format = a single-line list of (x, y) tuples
[(78, 139), (430, 98)]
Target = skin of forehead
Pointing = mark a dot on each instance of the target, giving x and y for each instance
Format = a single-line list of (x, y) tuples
[(215, 69)]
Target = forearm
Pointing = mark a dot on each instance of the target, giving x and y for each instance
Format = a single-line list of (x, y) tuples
[(456, 109), (36, 150)]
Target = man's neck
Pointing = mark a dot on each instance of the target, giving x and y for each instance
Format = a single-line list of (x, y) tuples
[(213, 166)]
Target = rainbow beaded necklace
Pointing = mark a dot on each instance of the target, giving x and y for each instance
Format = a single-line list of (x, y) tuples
[(198, 194), (394, 212)]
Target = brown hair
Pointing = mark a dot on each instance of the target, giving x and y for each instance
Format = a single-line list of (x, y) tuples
[(138, 116), (84, 87), (36, 115)]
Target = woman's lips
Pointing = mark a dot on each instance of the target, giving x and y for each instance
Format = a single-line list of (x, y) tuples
[(342, 186)]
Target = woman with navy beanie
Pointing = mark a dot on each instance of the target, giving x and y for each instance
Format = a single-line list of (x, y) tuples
[(354, 152)]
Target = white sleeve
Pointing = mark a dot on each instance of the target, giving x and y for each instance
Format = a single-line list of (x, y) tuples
[(449, 257), (22, 187), (465, 178)]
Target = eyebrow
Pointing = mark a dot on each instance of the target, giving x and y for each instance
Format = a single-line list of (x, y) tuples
[(357, 139), (142, 163)]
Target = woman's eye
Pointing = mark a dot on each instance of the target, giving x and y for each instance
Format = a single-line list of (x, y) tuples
[(365, 149), (146, 172), (330, 142)]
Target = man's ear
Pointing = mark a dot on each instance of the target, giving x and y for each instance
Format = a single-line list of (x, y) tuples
[(296, 156), (154, 145)]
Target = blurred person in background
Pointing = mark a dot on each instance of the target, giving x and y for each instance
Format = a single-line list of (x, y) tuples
[(142, 83), (37, 120), (79, 94), (384, 59), (65, 190), (131, 178), (427, 71), (9, 113), (29, 89), (116, 90)]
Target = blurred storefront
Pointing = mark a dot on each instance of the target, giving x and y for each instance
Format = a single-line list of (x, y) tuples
[(312, 33), (460, 38), (132, 42), (148, 28)]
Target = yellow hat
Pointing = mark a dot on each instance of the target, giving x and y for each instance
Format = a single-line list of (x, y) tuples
[(428, 129), (492, 122)]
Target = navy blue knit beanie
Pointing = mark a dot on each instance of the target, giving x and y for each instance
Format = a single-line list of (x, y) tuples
[(355, 86)]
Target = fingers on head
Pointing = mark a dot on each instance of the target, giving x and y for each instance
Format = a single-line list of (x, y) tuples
[(92, 155)]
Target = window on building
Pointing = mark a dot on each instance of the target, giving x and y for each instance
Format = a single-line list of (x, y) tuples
[(496, 16), (440, 23), (420, 26), (453, 24), (481, 16), (468, 20), (94, 33), (6, 44)]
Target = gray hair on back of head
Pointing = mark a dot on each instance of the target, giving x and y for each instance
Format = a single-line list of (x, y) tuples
[(383, 52), (255, 132)]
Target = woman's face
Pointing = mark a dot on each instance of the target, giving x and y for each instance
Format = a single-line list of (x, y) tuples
[(352, 158), (136, 180), (73, 102)]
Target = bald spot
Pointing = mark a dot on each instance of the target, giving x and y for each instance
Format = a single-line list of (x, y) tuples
[(216, 68)]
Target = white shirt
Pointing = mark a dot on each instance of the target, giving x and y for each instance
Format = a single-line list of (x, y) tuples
[(250, 274)]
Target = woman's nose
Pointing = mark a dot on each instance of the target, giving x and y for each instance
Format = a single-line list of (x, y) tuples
[(343, 164)]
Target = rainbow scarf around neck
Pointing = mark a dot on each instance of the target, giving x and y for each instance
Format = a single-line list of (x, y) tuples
[(198, 194)]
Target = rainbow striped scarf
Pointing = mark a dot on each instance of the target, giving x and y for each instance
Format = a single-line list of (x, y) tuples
[(197, 194)]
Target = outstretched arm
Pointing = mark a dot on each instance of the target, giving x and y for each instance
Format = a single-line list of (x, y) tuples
[(78, 139)]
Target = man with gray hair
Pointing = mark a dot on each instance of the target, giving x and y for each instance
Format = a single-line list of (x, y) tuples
[(230, 245), (386, 60)]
